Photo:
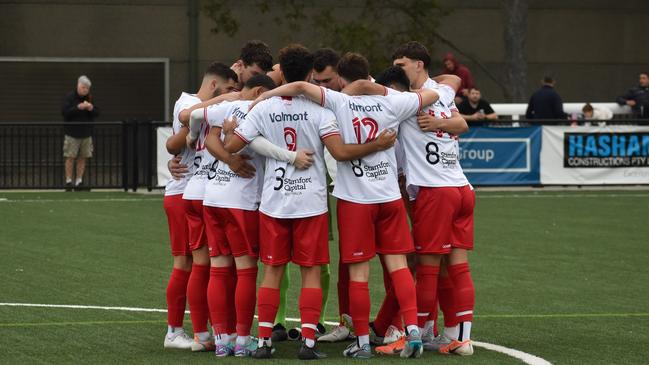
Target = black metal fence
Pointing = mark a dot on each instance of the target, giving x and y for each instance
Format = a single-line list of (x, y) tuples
[(31, 155), (124, 157)]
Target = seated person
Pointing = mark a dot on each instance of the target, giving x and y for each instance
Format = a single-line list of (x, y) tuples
[(474, 108)]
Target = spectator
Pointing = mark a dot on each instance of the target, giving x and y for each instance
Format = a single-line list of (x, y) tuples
[(474, 108), (545, 103), (599, 114), (638, 97), (77, 145), (453, 67), (324, 73)]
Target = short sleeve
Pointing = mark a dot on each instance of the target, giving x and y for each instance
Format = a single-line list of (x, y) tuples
[(328, 124), (452, 107), (487, 108), (405, 104), (250, 127), (446, 94), (215, 114), (332, 99)]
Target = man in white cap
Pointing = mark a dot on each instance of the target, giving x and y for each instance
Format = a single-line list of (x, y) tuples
[(78, 108)]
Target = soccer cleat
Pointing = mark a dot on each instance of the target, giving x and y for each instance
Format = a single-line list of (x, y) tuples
[(375, 340), (394, 348), (340, 332), (464, 348), (263, 352), (201, 346), (245, 350), (178, 340), (224, 350), (279, 333), (358, 352), (69, 187), (413, 346), (321, 329), (434, 344), (309, 353), (392, 334)]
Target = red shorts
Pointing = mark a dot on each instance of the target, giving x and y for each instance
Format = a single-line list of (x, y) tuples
[(443, 219), (197, 237), (231, 231), (368, 229), (304, 241), (174, 207)]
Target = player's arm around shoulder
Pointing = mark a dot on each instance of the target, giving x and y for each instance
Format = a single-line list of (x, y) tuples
[(347, 152), (297, 88), (176, 143), (365, 87)]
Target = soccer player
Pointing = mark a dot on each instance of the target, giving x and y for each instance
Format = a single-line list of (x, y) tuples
[(176, 209), (225, 80), (324, 73), (254, 59), (231, 221), (368, 195), (442, 211), (293, 209)]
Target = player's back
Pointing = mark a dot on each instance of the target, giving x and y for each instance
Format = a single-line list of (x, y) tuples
[(432, 157), (372, 179), (296, 123), (173, 187)]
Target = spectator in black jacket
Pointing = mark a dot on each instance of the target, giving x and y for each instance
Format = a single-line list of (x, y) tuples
[(545, 103), (638, 97), (77, 145)]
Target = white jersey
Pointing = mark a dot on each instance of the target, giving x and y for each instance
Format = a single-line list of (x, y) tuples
[(203, 162), (432, 157), (297, 123), (373, 178), (225, 189), (175, 187)]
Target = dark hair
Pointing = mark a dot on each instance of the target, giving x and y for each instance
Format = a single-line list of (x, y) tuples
[(548, 79), (413, 50), (587, 108), (474, 88), (644, 73), (296, 62), (393, 75), (221, 70), (257, 52), (260, 80), (353, 66), (325, 57)]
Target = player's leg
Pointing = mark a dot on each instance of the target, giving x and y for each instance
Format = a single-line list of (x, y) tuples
[(199, 278), (342, 331), (275, 252), (279, 329), (460, 274), (310, 251), (176, 292), (359, 294)]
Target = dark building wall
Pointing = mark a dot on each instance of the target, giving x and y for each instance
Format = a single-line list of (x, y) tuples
[(594, 48)]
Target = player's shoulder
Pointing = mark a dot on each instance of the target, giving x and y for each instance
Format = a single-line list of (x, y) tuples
[(186, 97)]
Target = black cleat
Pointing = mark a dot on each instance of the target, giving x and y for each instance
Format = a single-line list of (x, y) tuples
[(310, 353), (321, 329), (81, 187), (264, 352), (279, 333), (69, 186)]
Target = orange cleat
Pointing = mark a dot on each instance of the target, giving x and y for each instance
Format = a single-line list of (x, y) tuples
[(392, 349), (464, 348)]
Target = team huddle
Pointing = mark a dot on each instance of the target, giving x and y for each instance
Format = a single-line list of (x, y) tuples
[(253, 148)]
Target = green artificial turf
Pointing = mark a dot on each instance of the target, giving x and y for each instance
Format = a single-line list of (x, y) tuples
[(560, 275)]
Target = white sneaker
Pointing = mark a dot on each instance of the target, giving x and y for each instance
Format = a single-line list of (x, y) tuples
[(436, 343), (392, 334), (178, 340), (340, 332)]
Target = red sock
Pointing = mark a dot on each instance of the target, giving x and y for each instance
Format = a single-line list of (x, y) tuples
[(232, 287), (245, 298), (406, 295), (176, 297), (446, 302), (343, 288), (267, 304), (217, 298), (426, 292), (464, 293), (389, 309), (397, 321), (197, 297), (359, 294), (310, 307)]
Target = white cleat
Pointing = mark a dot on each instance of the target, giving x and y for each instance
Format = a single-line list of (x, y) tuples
[(463, 348), (340, 332), (392, 334), (178, 340), (436, 343)]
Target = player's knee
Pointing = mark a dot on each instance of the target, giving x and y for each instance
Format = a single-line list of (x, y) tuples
[(183, 263), (310, 276), (359, 271), (273, 276), (221, 261), (431, 260), (395, 262), (201, 256), (245, 262), (458, 256)]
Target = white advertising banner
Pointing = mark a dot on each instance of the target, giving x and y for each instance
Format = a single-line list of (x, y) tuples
[(595, 155), (162, 156)]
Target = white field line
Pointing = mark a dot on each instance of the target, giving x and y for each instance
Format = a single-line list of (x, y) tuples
[(523, 356)]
